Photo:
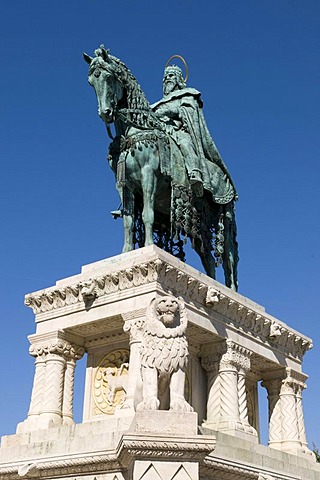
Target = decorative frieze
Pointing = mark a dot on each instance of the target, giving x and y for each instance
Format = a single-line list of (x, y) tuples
[(230, 308), (257, 323)]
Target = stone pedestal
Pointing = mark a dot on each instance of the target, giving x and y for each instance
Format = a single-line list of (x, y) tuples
[(231, 344)]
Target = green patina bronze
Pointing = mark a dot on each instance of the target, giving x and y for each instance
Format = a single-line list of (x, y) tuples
[(172, 182)]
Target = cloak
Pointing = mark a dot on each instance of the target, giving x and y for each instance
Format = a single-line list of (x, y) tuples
[(216, 178)]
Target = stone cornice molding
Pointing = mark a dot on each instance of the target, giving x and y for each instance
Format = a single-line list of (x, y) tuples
[(54, 298), (59, 466), (231, 470), (130, 446), (158, 446), (258, 323), (229, 307)]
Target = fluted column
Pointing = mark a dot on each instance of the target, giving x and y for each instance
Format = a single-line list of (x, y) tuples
[(294, 437), (227, 367), (52, 395), (242, 394), (273, 387), (37, 390), (301, 426), (51, 412), (72, 354), (286, 422), (290, 429), (135, 328), (210, 362), (68, 392), (229, 403)]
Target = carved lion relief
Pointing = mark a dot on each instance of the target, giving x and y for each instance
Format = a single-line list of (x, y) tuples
[(164, 355)]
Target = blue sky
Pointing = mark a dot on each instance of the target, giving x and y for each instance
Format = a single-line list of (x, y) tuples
[(256, 63)]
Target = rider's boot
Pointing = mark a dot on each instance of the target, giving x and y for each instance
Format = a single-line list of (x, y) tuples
[(196, 182)]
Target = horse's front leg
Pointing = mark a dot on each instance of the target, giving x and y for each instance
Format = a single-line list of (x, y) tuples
[(149, 185), (127, 199)]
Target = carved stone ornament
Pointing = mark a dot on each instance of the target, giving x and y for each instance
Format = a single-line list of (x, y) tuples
[(235, 313), (212, 297), (236, 355), (88, 290), (58, 346), (110, 382), (164, 354)]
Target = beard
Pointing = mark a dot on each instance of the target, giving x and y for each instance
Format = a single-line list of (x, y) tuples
[(169, 86)]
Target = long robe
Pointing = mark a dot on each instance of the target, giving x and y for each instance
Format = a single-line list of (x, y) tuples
[(188, 117)]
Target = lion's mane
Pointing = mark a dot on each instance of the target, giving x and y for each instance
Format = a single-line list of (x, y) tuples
[(164, 348)]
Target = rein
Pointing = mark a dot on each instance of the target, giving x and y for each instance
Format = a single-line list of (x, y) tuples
[(139, 118)]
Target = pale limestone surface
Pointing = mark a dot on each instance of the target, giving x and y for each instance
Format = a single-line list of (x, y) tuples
[(230, 345)]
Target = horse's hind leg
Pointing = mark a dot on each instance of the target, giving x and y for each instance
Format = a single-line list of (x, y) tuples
[(230, 255), (206, 258)]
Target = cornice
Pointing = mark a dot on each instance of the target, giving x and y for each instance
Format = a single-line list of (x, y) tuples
[(200, 291), (131, 446)]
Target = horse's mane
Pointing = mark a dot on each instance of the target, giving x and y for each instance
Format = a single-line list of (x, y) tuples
[(135, 97)]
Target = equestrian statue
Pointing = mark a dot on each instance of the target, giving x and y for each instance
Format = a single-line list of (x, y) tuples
[(171, 179)]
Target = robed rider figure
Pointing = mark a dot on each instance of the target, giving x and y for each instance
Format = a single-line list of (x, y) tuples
[(192, 148)]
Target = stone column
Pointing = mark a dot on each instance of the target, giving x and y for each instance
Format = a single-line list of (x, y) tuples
[(51, 412), (301, 427), (286, 422), (273, 387), (294, 436), (252, 403), (52, 394), (135, 328), (210, 361), (244, 368), (229, 401), (288, 402), (227, 394), (67, 402), (75, 353), (37, 390)]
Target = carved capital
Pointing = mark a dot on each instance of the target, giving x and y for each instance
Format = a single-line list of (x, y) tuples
[(134, 324), (56, 345), (211, 356), (272, 385), (294, 382), (235, 356)]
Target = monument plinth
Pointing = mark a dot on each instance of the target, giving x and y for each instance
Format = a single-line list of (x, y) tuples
[(173, 357), (139, 425)]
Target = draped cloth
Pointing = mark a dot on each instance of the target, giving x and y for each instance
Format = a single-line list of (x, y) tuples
[(188, 119)]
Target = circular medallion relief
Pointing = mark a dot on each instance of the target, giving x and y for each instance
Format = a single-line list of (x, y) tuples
[(110, 381)]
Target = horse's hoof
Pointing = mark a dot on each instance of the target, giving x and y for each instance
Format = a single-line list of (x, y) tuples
[(127, 249)]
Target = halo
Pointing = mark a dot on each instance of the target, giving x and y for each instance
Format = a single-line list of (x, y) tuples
[(184, 63)]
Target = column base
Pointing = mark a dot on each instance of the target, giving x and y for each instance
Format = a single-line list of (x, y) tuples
[(232, 427), (295, 448)]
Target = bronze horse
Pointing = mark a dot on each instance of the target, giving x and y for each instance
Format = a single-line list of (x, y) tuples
[(157, 209)]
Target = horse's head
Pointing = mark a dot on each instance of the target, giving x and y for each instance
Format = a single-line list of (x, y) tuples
[(104, 77)]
